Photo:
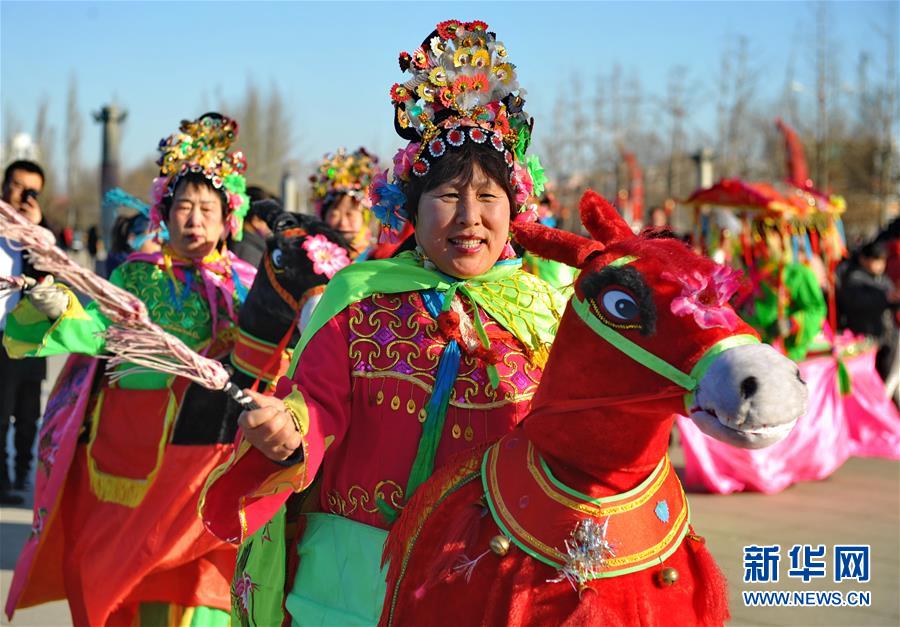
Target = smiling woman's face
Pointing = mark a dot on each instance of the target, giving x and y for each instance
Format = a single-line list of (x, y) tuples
[(463, 227)]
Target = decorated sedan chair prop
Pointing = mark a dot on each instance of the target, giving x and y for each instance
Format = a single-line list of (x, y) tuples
[(787, 239), (577, 516)]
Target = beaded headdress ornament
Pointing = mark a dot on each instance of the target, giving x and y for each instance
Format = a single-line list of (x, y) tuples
[(201, 146), (343, 173), (463, 88)]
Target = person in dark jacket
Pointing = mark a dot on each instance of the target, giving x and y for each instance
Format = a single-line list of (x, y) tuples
[(21, 379), (252, 245), (866, 302)]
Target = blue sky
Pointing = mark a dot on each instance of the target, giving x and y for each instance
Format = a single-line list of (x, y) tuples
[(334, 62)]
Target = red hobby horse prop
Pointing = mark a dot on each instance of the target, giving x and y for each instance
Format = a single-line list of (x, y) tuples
[(576, 517)]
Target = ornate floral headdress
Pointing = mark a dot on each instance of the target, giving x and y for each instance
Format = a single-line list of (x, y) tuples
[(463, 88), (201, 146), (342, 173)]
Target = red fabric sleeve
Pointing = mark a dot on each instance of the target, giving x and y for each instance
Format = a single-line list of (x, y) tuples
[(242, 494)]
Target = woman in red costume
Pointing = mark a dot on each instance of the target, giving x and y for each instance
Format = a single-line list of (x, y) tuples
[(122, 459), (406, 361)]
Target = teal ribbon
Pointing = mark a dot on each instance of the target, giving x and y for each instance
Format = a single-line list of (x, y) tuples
[(436, 408), (239, 288)]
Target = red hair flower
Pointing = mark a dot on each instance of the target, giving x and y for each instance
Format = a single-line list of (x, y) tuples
[(448, 28), (404, 60), (477, 26), (421, 167), (501, 123), (238, 160), (456, 137), (437, 148), (420, 59), (446, 96), (462, 85), (480, 83), (399, 93)]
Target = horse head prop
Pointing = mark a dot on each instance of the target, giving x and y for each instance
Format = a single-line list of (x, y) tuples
[(583, 492), (648, 334), (301, 256)]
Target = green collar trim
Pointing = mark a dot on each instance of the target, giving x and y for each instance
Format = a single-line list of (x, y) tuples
[(532, 320), (635, 352)]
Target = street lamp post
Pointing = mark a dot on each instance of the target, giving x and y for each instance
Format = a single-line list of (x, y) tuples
[(110, 117)]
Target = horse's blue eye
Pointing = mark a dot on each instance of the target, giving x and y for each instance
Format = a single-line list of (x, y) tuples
[(620, 305), (276, 257)]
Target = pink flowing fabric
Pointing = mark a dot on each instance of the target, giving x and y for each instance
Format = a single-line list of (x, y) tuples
[(864, 423), (58, 438)]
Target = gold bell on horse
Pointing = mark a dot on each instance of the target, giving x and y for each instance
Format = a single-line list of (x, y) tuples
[(500, 545), (667, 577)]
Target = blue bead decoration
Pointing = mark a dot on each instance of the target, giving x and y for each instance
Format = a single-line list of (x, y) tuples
[(662, 511)]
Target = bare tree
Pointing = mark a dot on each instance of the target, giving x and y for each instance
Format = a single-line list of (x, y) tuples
[(278, 141), (265, 134), (578, 128), (11, 125), (252, 131), (736, 89), (553, 149), (887, 173), (74, 127), (823, 72), (675, 107), (45, 140)]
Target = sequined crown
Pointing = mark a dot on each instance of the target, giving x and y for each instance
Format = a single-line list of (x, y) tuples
[(201, 146), (463, 88), (343, 173)]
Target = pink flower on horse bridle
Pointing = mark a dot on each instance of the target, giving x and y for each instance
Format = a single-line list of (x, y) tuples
[(327, 257), (706, 297)]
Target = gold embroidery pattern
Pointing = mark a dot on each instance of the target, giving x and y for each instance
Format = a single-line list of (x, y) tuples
[(393, 336), (358, 498)]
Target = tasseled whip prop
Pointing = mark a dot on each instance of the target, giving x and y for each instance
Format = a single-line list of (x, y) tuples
[(12, 283), (133, 337)]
